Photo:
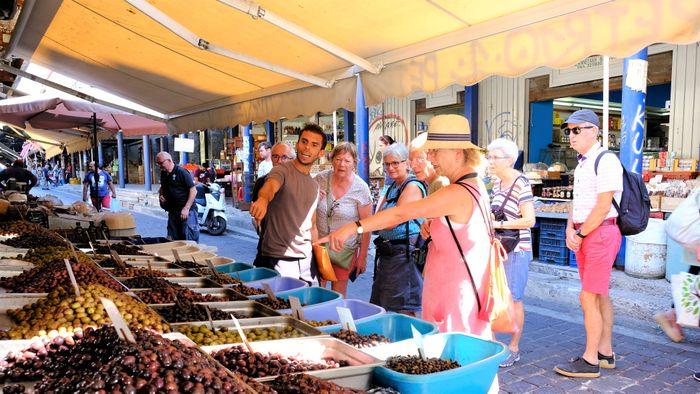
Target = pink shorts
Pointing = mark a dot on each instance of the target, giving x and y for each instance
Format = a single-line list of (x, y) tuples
[(596, 257)]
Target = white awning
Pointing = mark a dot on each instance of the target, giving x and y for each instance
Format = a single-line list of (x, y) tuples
[(418, 45)]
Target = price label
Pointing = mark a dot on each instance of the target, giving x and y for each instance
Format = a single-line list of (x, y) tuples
[(211, 322), (177, 256), (418, 340), (92, 248), (297, 312), (118, 321), (211, 267), (346, 320), (268, 291), (117, 259), (72, 277), (242, 334), (72, 249)]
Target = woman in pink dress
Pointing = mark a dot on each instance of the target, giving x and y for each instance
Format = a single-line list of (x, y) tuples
[(449, 295)]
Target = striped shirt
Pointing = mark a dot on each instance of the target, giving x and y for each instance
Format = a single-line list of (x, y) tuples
[(587, 185), (522, 192)]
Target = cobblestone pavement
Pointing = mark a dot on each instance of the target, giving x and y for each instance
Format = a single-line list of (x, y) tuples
[(648, 362)]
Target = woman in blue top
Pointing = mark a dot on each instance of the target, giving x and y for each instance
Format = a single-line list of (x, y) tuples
[(397, 281)]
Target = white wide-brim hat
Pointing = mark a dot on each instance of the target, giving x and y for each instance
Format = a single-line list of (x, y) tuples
[(448, 132)]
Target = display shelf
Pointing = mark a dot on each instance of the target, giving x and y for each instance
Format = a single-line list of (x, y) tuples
[(551, 215)]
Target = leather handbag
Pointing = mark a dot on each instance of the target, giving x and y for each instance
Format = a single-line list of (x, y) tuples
[(323, 263)]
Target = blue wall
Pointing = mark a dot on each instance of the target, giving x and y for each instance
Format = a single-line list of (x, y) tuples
[(541, 114)]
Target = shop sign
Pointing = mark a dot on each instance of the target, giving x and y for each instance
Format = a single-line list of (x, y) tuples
[(393, 125), (184, 145)]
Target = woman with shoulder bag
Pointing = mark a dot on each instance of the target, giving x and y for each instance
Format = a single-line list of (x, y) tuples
[(514, 215), (344, 198)]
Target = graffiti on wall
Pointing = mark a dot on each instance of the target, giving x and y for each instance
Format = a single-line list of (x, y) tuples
[(393, 125), (503, 125)]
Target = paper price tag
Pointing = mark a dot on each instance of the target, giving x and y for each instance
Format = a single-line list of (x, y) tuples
[(346, 319), (418, 340), (211, 266), (118, 321), (72, 249), (117, 259), (242, 334), (148, 262), (73, 282), (177, 256), (92, 248), (269, 292), (211, 322), (297, 312)]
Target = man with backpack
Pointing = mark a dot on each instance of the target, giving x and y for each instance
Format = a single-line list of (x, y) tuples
[(593, 234)]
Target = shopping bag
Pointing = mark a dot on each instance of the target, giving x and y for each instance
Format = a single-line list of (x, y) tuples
[(683, 226), (500, 302), (323, 263), (115, 205), (685, 288)]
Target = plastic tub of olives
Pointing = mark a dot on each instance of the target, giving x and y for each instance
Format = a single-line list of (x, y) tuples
[(245, 309), (357, 375)]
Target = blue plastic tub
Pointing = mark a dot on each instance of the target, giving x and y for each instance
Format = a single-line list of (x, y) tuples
[(395, 326), (279, 283), (254, 274), (478, 358), (309, 296), (233, 267), (361, 311)]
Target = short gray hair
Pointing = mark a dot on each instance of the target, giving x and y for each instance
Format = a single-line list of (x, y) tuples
[(292, 155), (398, 150), (508, 147)]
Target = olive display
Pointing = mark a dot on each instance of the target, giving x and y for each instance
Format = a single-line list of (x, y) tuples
[(47, 254), (184, 311), (163, 292), (358, 340), (63, 312), (139, 271), (108, 262), (14, 389), (120, 248), (279, 303), (30, 235), (255, 385), (51, 275), (317, 323), (303, 383), (205, 336), (246, 290), (101, 362), (415, 365), (189, 264), (217, 277), (259, 365)]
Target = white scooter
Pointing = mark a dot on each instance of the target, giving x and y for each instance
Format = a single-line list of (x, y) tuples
[(213, 214)]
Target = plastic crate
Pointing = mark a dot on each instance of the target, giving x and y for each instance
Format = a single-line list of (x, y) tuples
[(233, 267), (556, 242), (553, 225), (254, 274), (279, 283), (572, 259), (361, 311), (479, 359), (308, 296), (553, 254)]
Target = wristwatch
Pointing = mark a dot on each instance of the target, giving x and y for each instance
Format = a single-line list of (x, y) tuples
[(578, 232), (360, 229)]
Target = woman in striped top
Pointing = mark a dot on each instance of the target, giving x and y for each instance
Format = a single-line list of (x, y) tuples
[(513, 188)]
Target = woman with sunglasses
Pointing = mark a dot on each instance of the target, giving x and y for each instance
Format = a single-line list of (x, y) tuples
[(344, 198), (397, 282)]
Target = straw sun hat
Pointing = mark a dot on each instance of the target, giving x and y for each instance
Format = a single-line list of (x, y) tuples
[(448, 132)]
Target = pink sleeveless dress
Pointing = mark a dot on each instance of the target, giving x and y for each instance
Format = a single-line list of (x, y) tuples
[(448, 296)]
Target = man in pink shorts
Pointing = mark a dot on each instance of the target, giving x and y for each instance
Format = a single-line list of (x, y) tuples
[(592, 233)]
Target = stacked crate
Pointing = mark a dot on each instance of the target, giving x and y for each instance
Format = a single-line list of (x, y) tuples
[(553, 248)]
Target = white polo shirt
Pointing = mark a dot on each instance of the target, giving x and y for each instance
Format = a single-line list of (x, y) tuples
[(587, 185)]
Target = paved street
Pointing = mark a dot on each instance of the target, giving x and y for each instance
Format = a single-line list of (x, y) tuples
[(648, 362)]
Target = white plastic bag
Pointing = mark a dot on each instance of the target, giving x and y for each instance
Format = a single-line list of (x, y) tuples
[(115, 205), (686, 299), (683, 226)]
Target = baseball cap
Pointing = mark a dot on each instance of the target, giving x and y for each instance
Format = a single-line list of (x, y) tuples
[(580, 116)]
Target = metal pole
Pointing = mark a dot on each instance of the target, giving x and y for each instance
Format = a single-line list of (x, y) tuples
[(634, 87), (121, 159), (362, 131), (335, 128), (147, 162), (270, 131), (100, 154), (471, 110), (248, 170), (183, 155), (606, 101)]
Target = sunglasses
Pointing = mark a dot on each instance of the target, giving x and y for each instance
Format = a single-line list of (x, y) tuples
[(577, 130)]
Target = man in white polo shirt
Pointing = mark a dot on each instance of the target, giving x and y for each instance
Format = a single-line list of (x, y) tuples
[(593, 235)]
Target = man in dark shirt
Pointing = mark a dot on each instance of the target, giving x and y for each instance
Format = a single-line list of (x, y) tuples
[(177, 192), (19, 173)]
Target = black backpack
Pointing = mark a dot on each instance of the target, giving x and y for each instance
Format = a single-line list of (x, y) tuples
[(633, 210)]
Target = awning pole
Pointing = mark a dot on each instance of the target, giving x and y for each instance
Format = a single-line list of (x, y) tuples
[(606, 100), (634, 88), (147, 162), (335, 129), (121, 159), (362, 131)]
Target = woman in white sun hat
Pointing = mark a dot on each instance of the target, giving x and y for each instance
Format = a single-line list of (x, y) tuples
[(460, 211)]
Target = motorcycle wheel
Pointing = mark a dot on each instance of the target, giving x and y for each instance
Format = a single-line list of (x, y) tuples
[(217, 225)]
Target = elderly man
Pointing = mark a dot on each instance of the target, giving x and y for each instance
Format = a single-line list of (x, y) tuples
[(281, 153), (177, 193), (593, 234)]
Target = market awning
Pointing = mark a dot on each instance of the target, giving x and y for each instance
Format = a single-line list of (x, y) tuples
[(54, 141), (418, 45)]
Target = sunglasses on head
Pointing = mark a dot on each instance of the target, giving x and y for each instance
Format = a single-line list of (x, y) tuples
[(576, 130)]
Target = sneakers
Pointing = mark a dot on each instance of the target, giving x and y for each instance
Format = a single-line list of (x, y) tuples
[(606, 362), (513, 358), (578, 368)]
